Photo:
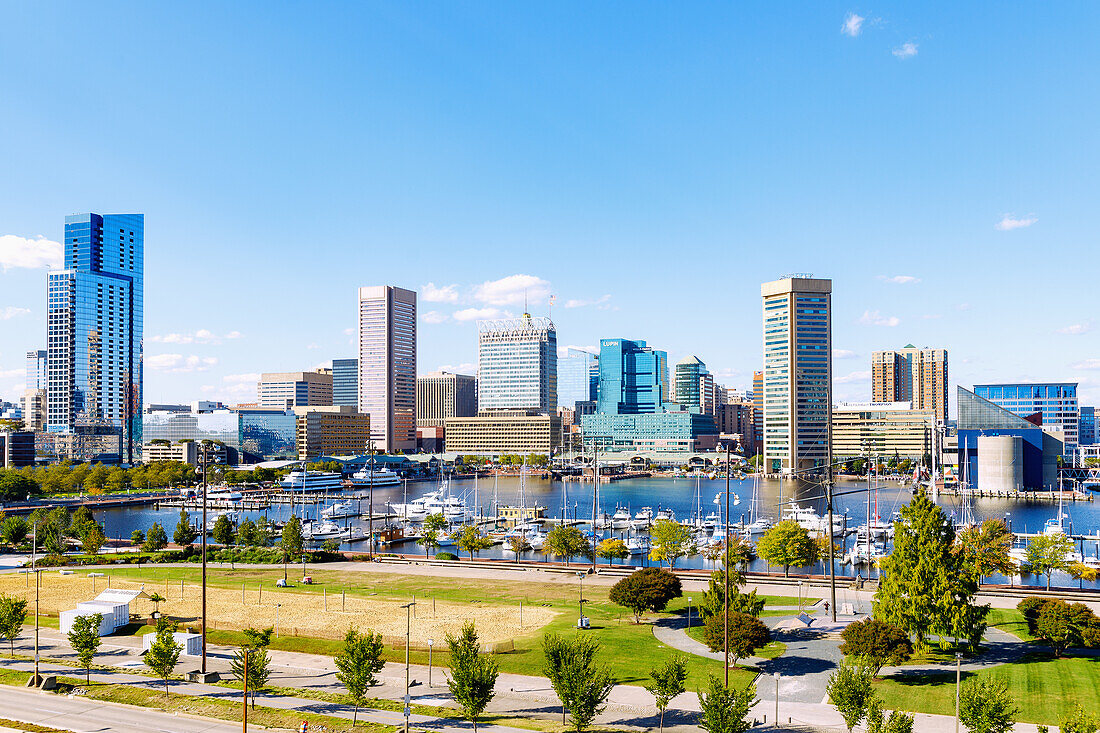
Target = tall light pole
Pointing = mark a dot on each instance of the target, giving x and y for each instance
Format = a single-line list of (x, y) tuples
[(408, 640), (430, 642), (370, 511), (580, 619), (776, 675), (958, 679), (205, 464), (726, 576)]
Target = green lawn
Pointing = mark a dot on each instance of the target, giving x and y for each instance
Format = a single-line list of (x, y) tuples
[(771, 651), (1045, 689), (630, 649), (1010, 620)]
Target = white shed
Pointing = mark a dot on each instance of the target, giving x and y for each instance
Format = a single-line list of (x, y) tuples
[(106, 627), (116, 615), (191, 643)]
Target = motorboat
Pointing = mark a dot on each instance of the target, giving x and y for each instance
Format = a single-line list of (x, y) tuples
[(378, 477), (666, 515), (434, 502), (311, 481), (223, 493), (340, 510), (621, 518), (760, 526), (322, 531), (211, 519), (636, 546), (643, 519), (353, 534)]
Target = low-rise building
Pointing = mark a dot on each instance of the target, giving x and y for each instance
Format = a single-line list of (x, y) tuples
[(295, 389), (885, 429), (674, 429), (16, 448), (331, 430), (499, 432), (34, 409), (185, 452)]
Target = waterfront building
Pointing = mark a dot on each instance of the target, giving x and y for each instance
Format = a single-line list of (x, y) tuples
[(633, 378), (440, 395), (517, 364), (248, 433), (738, 419), (505, 431), (911, 375), (34, 409), (678, 430), (1086, 428), (797, 373), (884, 429), (333, 430), (387, 365), (1055, 404), (694, 385), (284, 390), (430, 440), (185, 452), (575, 377), (345, 382), (1000, 450), (94, 331)]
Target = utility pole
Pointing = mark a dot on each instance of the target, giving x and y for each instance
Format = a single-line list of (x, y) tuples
[(408, 640), (726, 578), (370, 514), (595, 498), (244, 708), (202, 532), (829, 525)]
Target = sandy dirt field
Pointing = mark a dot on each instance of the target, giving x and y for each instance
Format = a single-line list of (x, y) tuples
[(300, 612)]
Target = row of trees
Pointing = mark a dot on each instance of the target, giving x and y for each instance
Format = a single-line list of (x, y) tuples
[(61, 478), (52, 530)]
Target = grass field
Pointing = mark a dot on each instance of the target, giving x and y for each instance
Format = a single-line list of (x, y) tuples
[(1045, 689), (1010, 620), (547, 607)]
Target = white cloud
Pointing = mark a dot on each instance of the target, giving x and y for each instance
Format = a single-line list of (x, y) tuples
[(349, 331), (844, 354), (1088, 364), (233, 335), (853, 24), (433, 317), (906, 50), (601, 302), (962, 307), (180, 363), (473, 314), (313, 346), (512, 290), (1009, 222), (931, 316), (18, 251), (1076, 329), (874, 318), (249, 378), (899, 279), (9, 312), (463, 368), (202, 336), (8, 373), (442, 294), (853, 377)]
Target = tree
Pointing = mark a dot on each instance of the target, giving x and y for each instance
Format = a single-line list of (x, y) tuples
[(1047, 553), (247, 533), (471, 540), (726, 709), (582, 685), (925, 587), (258, 668), (84, 639), (359, 665), (898, 722), (185, 534), (746, 634), (714, 598), (612, 549), (518, 544), (164, 652), (876, 642), (429, 540), (155, 539), (669, 541), (292, 543), (13, 531), (1079, 721), (156, 599), (15, 486), (137, 538), (986, 706), (568, 542), (985, 548), (668, 682), (92, 538), (473, 675), (223, 530), (649, 589), (786, 544), (1055, 626), (849, 690), (13, 612)]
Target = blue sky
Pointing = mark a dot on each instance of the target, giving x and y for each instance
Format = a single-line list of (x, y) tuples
[(649, 164)]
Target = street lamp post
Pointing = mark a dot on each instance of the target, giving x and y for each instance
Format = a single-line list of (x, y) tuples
[(205, 462), (726, 577), (776, 675), (277, 619), (408, 640), (370, 514), (689, 612), (430, 642), (580, 619), (958, 679)]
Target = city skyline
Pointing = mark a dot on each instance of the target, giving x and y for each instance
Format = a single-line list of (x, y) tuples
[(912, 235)]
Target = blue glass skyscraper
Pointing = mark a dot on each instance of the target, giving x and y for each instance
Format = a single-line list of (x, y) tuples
[(94, 331), (575, 383), (1055, 403), (345, 382), (633, 378)]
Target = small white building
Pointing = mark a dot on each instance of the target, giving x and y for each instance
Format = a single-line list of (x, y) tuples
[(112, 604)]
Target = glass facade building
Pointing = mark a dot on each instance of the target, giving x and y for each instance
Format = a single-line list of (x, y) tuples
[(1086, 431), (1037, 452), (797, 373), (266, 434), (1054, 402), (633, 378), (36, 369), (387, 365), (94, 331), (575, 382), (345, 382), (694, 385), (517, 364)]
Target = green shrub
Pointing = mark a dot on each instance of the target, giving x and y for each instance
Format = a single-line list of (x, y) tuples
[(1030, 608), (446, 556)]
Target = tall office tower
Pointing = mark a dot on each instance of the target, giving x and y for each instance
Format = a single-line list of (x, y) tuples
[(345, 382), (440, 395), (1086, 429), (633, 378), (36, 369), (387, 365), (33, 401), (517, 364), (284, 390), (797, 373), (1054, 403), (94, 331), (694, 385), (911, 375), (575, 377), (758, 408)]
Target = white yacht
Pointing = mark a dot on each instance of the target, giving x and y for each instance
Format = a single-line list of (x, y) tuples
[(666, 514), (223, 493), (621, 518), (760, 526), (311, 481), (322, 531), (380, 477), (340, 510), (434, 502)]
